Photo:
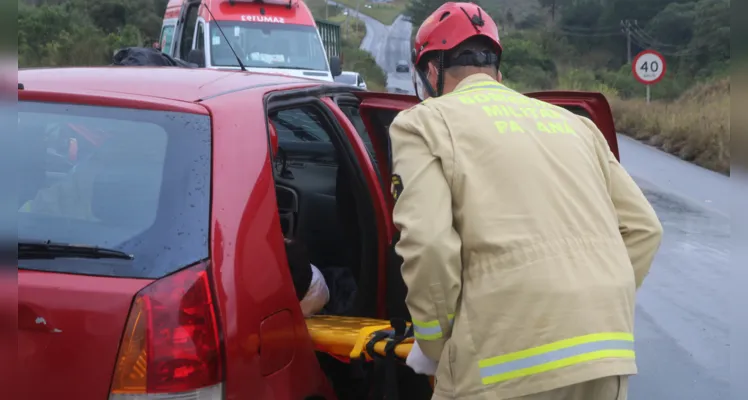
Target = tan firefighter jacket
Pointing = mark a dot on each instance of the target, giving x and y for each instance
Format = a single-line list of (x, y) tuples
[(523, 240)]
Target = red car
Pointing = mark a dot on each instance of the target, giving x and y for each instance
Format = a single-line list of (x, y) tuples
[(156, 267)]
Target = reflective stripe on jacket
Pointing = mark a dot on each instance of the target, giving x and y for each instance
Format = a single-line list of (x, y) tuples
[(523, 242)]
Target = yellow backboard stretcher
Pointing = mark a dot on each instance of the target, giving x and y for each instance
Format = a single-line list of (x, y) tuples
[(346, 337)]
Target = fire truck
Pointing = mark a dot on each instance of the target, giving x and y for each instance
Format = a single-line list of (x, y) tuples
[(269, 36)]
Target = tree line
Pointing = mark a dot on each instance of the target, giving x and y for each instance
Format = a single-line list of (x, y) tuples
[(84, 32), (578, 44)]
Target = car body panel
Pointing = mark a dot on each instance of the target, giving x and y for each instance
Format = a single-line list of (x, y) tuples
[(253, 284), (69, 331), (254, 290), (157, 82)]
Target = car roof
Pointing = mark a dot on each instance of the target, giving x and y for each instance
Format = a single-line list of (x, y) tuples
[(173, 83)]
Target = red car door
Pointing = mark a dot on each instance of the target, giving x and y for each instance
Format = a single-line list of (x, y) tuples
[(378, 110)]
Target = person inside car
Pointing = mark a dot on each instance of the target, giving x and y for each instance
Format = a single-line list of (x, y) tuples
[(308, 281)]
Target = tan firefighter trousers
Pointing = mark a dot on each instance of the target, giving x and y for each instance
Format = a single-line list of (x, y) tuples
[(608, 388)]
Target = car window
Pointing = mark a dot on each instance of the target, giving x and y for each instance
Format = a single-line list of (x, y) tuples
[(131, 180), (167, 34), (300, 124), (268, 45), (200, 37), (351, 111)]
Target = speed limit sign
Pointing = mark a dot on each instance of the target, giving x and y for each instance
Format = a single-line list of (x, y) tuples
[(649, 67)]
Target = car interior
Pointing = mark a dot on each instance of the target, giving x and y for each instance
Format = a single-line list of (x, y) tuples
[(323, 202)]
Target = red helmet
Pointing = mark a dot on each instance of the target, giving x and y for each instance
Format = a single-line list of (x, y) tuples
[(450, 25)]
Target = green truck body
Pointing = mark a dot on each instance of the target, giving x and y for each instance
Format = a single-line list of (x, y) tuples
[(330, 34)]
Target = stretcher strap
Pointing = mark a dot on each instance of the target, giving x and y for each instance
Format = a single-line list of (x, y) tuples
[(385, 367), (358, 349)]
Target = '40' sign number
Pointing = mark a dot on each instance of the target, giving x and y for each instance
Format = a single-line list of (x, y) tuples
[(649, 67)]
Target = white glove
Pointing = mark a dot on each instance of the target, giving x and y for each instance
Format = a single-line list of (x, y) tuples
[(419, 362)]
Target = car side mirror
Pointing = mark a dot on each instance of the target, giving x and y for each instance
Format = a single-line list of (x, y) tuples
[(336, 67)]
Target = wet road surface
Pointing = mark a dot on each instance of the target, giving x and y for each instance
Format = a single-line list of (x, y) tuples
[(682, 315), (682, 320)]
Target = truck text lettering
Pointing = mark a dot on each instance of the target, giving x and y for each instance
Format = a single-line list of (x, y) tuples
[(263, 18)]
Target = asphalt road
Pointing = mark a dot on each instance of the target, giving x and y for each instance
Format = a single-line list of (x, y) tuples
[(682, 315), (388, 45)]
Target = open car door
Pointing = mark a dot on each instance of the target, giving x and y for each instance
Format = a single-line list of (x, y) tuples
[(378, 110)]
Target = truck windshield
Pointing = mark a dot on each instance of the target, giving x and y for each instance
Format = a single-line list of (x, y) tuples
[(268, 45), (126, 181)]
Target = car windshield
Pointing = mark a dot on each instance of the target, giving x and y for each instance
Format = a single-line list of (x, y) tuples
[(268, 45), (348, 79), (136, 181)]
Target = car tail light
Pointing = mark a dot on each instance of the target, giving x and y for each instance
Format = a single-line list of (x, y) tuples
[(170, 348)]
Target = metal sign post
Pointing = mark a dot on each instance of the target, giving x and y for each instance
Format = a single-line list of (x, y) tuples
[(649, 68)]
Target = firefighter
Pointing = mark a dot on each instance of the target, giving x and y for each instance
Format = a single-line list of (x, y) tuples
[(523, 239)]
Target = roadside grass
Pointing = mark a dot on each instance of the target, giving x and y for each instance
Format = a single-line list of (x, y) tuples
[(321, 10), (385, 13), (352, 30), (695, 127)]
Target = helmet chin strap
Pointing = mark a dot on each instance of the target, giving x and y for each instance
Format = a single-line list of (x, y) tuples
[(439, 78), (440, 75)]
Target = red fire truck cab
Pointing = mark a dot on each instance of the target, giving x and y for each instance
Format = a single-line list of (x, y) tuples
[(156, 267)]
